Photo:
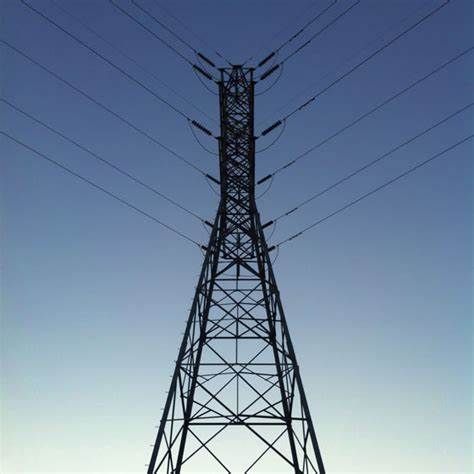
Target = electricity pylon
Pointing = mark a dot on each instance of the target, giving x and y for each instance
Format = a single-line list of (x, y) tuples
[(236, 401)]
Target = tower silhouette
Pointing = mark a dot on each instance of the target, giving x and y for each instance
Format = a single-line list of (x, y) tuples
[(236, 402)]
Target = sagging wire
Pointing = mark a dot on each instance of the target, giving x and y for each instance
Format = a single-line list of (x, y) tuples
[(203, 83), (191, 127), (274, 141), (266, 190), (274, 83), (206, 227), (275, 258), (208, 181), (274, 226)]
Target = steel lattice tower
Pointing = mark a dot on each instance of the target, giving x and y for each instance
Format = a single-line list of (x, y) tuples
[(236, 401)]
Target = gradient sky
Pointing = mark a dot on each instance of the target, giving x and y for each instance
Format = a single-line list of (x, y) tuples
[(94, 296)]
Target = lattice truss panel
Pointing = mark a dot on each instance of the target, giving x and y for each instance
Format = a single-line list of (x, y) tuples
[(236, 401)]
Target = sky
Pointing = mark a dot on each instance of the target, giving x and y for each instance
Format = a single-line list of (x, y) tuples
[(94, 296)]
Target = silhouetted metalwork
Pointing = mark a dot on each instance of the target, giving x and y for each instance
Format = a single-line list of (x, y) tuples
[(236, 401)]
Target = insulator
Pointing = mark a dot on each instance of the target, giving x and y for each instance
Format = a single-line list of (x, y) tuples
[(213, 179), (273, 247), (267, 177), (269, 72), (201, 127), (271, 127), (291, 212), (208, 223), (202, 71), (295, 35), (306, 103), (267, 224), (204, 247), (265, 60), (294, 236), (208, 61)]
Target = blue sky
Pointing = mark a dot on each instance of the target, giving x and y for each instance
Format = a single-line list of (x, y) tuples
[(378, 299)]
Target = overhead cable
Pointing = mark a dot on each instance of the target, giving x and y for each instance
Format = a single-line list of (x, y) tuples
[(371, 163), (368, 113), (297, 34), (306, 43), (193, 33), (303, 14), (106, 108), (131, 59), (354, 55), (159, 38), (108, 61), (101, 188), (319, 32), (152, 33), (361, 63), (373, 191), (97, 157), (174, 34)]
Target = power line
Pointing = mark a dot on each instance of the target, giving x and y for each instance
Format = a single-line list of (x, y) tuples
[(196, 138), (107, 109), (319, 32), (298, 33), (108, 61), (275, 82), (354, 68), (373, 191), (380, 35), (197, 68), (100, 188), (103, 160), (371, 163), (205, 73), (166, 27), (368, 113), (283, 29), (193, 33), (131, 59), (161, 40)]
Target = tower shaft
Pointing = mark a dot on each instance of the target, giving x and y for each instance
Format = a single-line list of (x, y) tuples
[(236, 401)]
